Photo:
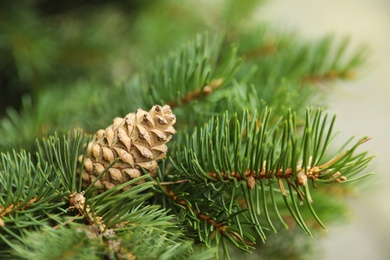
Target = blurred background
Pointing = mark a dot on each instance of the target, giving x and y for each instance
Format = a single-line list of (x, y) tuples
[(57, 45), (362, 108)]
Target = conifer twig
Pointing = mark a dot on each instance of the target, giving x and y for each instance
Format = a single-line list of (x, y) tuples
[(266, 49), (200, 215), (8, 210), (77, 201), (329, 76), (204, 91), (313, 173)]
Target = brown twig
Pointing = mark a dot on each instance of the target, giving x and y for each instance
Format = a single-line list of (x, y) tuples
[(77, 201), (329, 76), (200, 215), (12, 207), (266, 49), (312, 173), (202, 91), (218, 226)]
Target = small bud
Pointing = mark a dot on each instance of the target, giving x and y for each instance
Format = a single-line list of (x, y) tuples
[(340, 178), (216, 83), (2, 224), (301, 179), (251, 182), (207, 90)]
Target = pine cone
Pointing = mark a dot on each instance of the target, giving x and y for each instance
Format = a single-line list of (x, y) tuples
[(138, 140)]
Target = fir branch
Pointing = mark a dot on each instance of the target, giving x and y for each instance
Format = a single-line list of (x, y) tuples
[(77, 242), (220, 227), (205, 91), (226, 180), (323, 60), (19, 128), (33, 190), (62, 154), (268, 48), (328, 76), (288, 76), (25, 185), (12, 207), (329, 61), (210, 219), (206, 212), (196, 71), (315, 173), (227, 151), (77, 202), (29, 195), (151, 233), (48, 113), (213, 147)]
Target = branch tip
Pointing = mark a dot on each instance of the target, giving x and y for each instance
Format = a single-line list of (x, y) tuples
[(77, 201)]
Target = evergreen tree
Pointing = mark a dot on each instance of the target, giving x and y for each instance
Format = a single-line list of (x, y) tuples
[(207, 151)]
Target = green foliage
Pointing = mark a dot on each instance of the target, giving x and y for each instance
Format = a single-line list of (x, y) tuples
[(65, 243), (34, 188), (213, 198), (237, 166), (29, 194), (61, 154), (235, 174), (36, 211), (148, 234)]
